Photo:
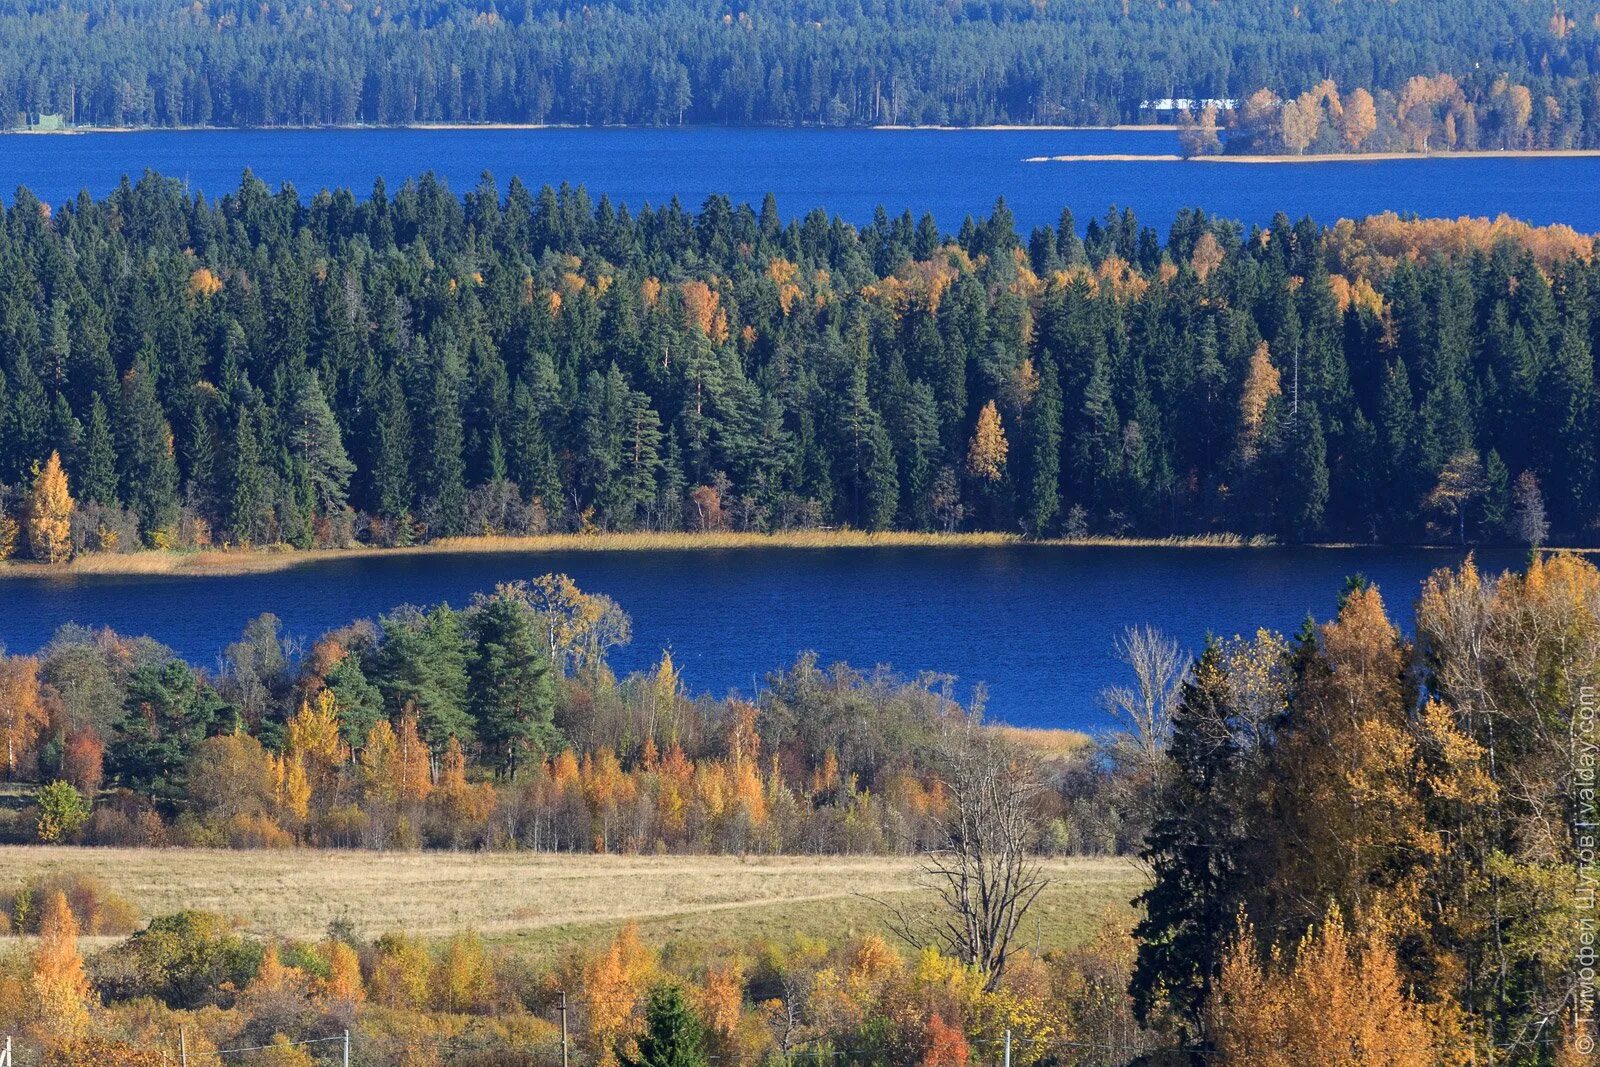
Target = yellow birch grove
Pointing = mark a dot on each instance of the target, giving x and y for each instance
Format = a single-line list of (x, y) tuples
[(50, 508), (1360, 119)]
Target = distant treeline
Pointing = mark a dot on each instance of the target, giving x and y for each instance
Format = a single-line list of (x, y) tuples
[(266, 369), (820, 62)]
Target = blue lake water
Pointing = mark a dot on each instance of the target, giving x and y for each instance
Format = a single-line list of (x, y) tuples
[(848, 172), (1035, 624)]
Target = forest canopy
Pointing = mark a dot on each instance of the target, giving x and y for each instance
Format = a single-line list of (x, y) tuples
[(267, 369), (812, 62)]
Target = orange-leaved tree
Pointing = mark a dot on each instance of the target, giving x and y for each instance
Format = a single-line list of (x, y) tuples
[(59, 983), (1339, 1002)]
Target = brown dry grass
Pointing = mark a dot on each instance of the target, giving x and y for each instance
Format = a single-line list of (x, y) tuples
[(545, 904), (1046, 743), (220, 563)]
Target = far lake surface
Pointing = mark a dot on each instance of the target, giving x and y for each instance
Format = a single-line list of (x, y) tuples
[(1033, 623), (847, 172)]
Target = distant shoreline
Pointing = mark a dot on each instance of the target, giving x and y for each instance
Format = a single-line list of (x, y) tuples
[(1324, 157), (235, 562), (1106, 157), (231, 563), (67, 131)]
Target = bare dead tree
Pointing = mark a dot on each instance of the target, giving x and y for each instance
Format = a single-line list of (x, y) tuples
[(986, 873), (1159, 667)]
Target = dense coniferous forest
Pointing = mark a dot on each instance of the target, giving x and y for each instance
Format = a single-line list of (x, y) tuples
[(263, 369), (813, 62)]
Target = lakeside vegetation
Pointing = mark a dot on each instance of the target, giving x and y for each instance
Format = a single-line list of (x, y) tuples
[(1353, 839), (263, 370), (214, 562), (497, 726), (1524, 71)]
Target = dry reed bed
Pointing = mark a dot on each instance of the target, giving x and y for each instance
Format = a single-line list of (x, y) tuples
[(223, 563)]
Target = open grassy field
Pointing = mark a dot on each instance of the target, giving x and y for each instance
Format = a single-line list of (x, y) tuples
[(548, 903)]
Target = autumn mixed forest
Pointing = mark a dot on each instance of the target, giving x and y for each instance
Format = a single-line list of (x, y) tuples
[(265, 369)]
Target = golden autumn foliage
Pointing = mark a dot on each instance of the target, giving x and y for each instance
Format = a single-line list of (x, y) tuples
[(282, 1052), (23, 714), (720, 1000), (291, 788), (99, 1052), (395, 765), (1262, 383), (919, 284), (947, 1045), (343, 984), (986, 454), (1339, 1003), (402, 971), (50, 508), (461, 978), (1359, 832), (204, 283), (1359, 120), (1372, 246), (783, 275), (83, 761), (458, 801), (59, 984), (232, 776), (1207, 255), (703, 311), (612, 983), (1359, 294), (314, 745)]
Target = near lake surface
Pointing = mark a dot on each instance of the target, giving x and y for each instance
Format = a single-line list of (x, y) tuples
[(1033, 623), (952, 173)]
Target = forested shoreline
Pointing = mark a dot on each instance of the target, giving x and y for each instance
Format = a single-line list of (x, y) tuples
[(265, 369), (817, 62)]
